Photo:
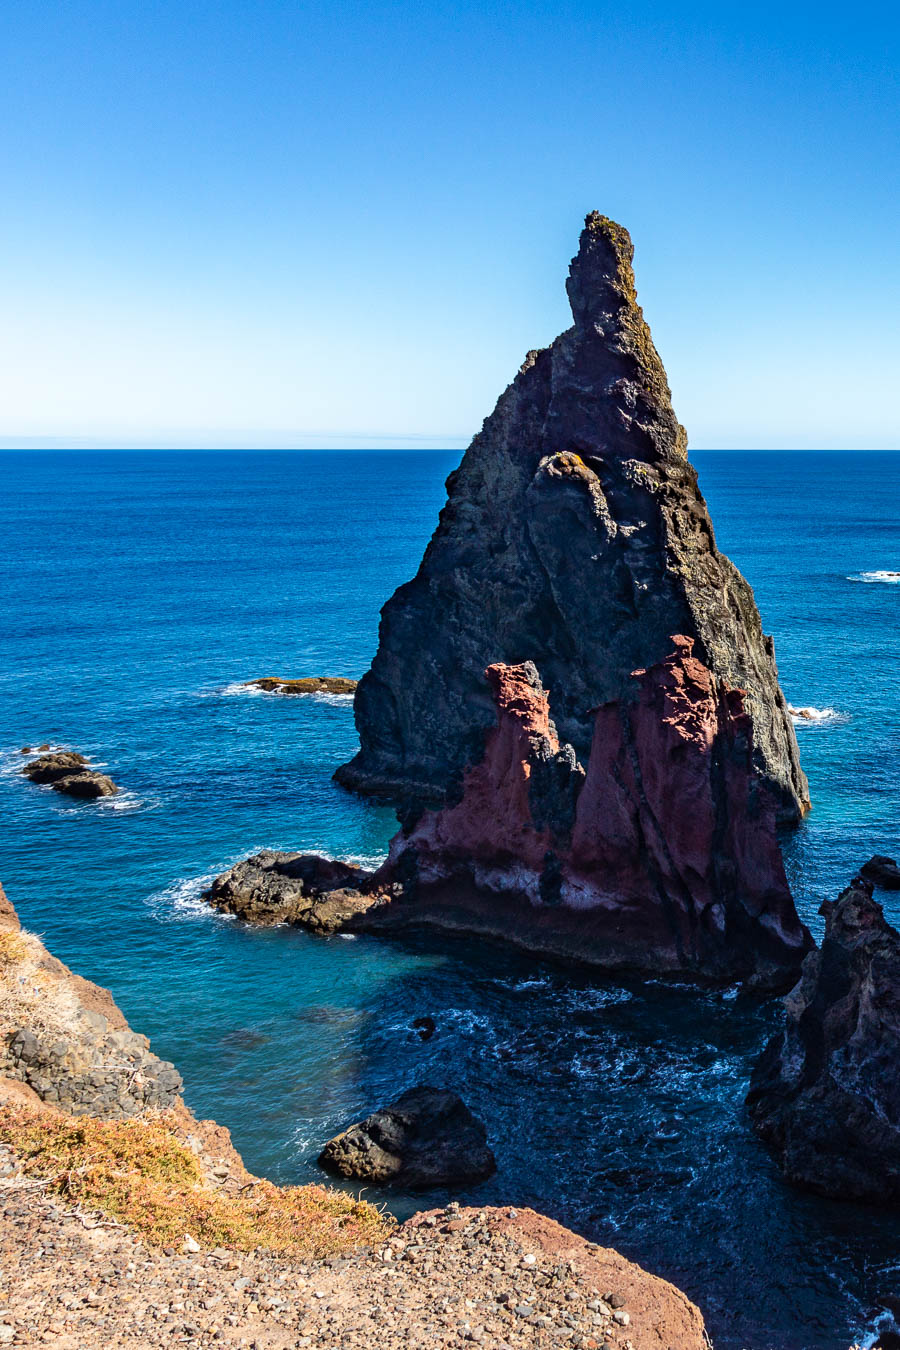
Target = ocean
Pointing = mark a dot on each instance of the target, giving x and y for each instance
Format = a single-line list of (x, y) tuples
[(139, 588)]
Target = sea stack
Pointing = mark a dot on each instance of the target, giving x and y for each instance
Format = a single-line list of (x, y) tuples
[(661, 857), (826, 1093), (575, 537)]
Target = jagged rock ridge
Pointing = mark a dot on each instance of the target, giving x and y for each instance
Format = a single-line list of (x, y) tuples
[(826, 1092), (574, 536)]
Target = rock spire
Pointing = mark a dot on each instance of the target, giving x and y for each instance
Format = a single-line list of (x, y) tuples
[(574, 536)]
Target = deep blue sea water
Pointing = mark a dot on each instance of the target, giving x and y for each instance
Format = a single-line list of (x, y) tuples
[(138, 588)]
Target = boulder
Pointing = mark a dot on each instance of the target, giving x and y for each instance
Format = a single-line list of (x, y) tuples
[(69, 772), (574, 536), (882, 872), (50, 768), (313, 684), (662, 856), (825, 1094), (428, 1137), (85, 785), (296, 888)]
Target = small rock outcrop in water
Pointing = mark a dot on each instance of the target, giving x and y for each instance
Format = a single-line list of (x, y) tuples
[(662, 856), (296, 888), (69, 772), (882, 872), (574, 536), (427, 1137), (313, 684), (826, 1092)]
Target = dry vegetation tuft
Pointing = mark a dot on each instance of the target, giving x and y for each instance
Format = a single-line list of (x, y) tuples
[(31, 995), (141, 1173)]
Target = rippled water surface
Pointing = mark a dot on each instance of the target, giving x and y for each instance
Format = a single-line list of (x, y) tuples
[(140, 588)]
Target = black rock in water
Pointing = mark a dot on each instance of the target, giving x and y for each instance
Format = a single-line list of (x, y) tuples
[(69, 772), (883, 872), (428, 1137), (826, 1092), (574, 536)]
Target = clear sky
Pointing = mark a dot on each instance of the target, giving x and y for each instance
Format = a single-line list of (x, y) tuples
[(272, 222)]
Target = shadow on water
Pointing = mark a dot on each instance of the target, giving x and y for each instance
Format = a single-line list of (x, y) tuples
[(615, 1106)]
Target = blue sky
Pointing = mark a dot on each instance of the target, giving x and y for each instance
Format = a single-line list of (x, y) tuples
[(281, 223)]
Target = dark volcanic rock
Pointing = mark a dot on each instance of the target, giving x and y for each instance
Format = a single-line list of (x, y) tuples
[(427, 1137), (313, 684), (826, 1091), (87, 785), (574, 536), (883, 872), (663, 857), (51, 768), (69, 772), (296, 888)]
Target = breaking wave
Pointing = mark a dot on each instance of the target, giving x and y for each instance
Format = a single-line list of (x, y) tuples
[(238, 689), (810, 717), (882, 575)]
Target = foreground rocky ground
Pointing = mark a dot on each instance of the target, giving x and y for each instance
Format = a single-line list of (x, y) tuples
[(493, 1278), (110, 1223)]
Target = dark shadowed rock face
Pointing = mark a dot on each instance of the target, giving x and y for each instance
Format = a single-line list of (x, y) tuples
[(663, 857), (427, 1137), (883, 872), (826, 1092), (574, 536)]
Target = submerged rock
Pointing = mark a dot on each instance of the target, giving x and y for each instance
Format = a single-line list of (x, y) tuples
[(296, 888), (428, 1137), (662, 856), (69, 772), (882, 872), (825, 1094), (313, 684), (574, 536)]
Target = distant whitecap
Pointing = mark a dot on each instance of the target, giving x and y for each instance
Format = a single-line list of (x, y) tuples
[(884, 576)]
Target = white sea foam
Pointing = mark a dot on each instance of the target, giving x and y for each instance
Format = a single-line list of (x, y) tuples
[(238, 689), (125, 800), (887, 578), (812, 717), (593, 1000), (183, 898)]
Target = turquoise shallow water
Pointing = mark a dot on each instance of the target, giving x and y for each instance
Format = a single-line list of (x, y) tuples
[(139, 587)]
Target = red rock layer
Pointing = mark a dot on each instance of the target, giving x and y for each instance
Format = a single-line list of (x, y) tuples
[(492, 825), (676, 826), (664, 858)]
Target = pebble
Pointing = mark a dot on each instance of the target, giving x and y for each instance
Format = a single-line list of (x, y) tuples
[(455, 1278)]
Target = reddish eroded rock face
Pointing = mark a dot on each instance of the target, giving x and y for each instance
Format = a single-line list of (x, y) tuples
[(517, 802), (676, 829), (663, 858)]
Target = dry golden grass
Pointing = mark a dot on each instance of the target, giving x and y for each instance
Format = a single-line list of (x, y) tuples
[(14, 949), (141, 1173), (31, 995)]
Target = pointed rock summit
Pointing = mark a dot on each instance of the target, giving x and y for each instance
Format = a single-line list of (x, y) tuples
[(574, 536)]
